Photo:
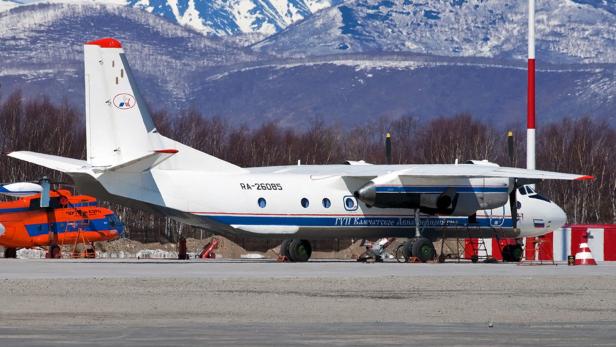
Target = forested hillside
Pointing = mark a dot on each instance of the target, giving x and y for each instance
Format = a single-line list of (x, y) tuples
[(581, 145)]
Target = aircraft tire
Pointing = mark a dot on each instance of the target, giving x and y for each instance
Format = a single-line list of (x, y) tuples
[(400, 254), (512, 253), (407, 249), (507, 256), (423, 249), (55, 252), (300, 250), (516, 253), (10, 253), (284, 248)]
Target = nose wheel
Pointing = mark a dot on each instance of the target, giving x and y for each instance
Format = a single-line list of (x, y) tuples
[(10, 253), (512, 253)]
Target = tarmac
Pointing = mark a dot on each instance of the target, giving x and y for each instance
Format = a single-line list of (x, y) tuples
[(340, 303)]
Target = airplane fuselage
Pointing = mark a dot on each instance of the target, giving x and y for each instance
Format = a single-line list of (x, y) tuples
[(284, 203)]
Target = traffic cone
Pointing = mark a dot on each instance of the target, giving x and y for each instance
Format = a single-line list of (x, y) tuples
[(584, 257)]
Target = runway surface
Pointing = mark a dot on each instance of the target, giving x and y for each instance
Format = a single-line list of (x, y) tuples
[(161, 303)]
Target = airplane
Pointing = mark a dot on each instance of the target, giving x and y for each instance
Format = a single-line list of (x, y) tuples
[(40, 218), (130, 163)]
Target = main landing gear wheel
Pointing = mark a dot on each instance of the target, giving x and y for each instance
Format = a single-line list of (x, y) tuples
[(10, 253), (512, 253), (420, 248), (284, 248), (400, 253), (423, 249), (296, 250)]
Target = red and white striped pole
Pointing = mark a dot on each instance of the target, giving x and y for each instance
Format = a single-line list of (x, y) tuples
[(530, 113)]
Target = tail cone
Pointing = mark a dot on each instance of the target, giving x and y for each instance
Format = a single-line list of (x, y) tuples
[(584, 257)]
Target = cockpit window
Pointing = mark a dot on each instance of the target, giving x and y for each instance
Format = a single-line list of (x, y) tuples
[(522, 190), (540, 197)]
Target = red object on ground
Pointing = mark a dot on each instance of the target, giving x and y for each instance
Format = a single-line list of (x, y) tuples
[(208, 250), (471, 246), (584, 257)]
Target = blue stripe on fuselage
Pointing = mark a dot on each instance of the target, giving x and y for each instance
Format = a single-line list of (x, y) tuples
[(359, 221), (439, 189), (60, 227)]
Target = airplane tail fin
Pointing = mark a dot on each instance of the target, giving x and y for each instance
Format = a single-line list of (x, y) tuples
[(119, 128)]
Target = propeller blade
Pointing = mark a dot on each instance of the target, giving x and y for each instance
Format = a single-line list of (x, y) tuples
[(46, 187), (513, 204)]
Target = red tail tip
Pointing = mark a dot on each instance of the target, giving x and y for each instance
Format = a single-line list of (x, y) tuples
[(585, 178), (167, 151), (107, 42)]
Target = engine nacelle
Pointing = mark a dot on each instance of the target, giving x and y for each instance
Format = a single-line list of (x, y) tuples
[(457, 196)]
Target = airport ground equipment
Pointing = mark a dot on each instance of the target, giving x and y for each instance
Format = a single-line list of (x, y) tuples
[(208, 249), (129, 162), (375, 251), (42, 217)]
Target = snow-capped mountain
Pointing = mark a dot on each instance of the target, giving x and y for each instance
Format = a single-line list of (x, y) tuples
[(179, 68), (567, 30), (218, 17), (230, 17)]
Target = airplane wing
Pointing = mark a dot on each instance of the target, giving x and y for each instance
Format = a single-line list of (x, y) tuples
[(53, 162), (469, 170), (433, 171)]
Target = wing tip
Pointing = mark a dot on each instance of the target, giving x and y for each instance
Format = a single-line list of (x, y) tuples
[(585, 178)]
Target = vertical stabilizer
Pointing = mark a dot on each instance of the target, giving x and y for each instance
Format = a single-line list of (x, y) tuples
[(118, 124), (119, 128)]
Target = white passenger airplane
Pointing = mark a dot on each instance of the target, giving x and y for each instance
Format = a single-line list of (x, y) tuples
[(129, 162)]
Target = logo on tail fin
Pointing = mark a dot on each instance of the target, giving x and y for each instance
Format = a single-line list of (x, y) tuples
[(124, 101)]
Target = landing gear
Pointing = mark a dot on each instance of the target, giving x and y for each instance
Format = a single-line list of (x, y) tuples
[(421, 248), (296, 250), (512, 253), (10, 253), (54, 252)]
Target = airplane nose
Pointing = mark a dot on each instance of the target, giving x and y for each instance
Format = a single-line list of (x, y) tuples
[(558, 217)]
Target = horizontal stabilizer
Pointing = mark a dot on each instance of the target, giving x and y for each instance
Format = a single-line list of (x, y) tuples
[(144, 163), (53, 162)]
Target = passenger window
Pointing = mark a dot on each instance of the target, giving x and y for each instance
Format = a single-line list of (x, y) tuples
[(326, 203), (305, 203), (350, 204), (262, 203)]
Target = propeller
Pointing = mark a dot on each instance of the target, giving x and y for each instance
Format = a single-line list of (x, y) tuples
[(513, 203)]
